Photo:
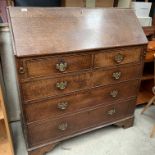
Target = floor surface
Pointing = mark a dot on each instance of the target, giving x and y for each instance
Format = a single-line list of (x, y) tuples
[(106, 141)]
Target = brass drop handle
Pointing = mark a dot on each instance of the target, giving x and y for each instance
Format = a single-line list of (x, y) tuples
[(116, 75), (61, 85), (119, 58), (61, 66), (62, 105), (63, 126), (21, 70), (112, 111), (114, 93)]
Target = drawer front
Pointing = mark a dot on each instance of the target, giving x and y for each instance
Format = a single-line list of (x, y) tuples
[(51, 66), (79, 101), (44, 88), (41, 89), (61, 128), (118, 56), (102, 77)]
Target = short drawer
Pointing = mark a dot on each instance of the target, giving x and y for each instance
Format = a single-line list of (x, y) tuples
[(50, 130), (123, 73), (53, 108), (43, 88), (51, 66), (114, 57)]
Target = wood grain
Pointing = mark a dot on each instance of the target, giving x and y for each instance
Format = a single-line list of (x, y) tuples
[(6, 144), (100, 86), (106, 58), (46, 66), (43, 88), (39, 31), (79, 101), (75, 124), (42, 150)]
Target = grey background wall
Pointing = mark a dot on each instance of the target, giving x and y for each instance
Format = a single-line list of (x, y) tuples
[(9, 76)]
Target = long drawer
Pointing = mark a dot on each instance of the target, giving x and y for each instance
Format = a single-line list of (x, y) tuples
[(52, 108), (43, 88), (50, 130), (117, 56), (53, 65)]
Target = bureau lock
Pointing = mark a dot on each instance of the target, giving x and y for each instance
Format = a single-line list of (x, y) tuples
[(21, 70)]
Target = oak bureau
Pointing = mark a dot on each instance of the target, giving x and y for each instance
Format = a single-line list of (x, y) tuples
[(78, 70)]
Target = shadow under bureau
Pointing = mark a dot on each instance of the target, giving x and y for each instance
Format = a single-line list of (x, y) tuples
[(78, 70)]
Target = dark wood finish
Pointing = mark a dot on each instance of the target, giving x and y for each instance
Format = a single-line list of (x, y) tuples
[(82, 3), (102, 77), (105, 3), (149, 30), (45, 149), (126, 123), (107, 57), (43, 88), (74, 123), (46, 66), (79, 101), (75, 76), (71, 26), (42, 150), (73, 3)]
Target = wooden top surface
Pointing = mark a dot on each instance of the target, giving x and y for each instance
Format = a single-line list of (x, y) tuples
[(39, 31)]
